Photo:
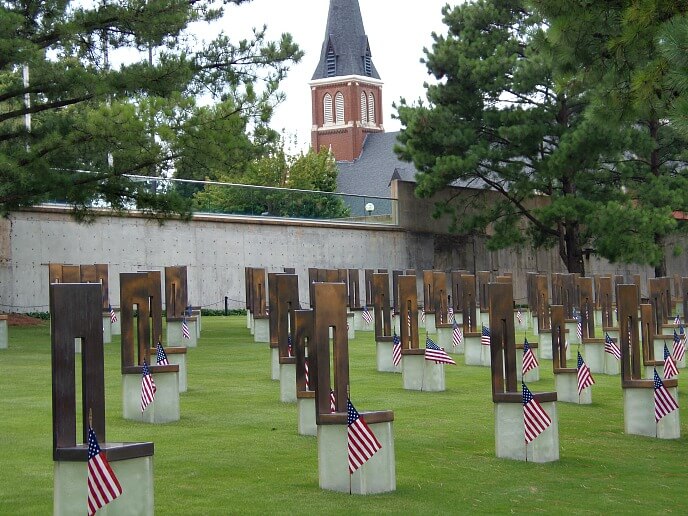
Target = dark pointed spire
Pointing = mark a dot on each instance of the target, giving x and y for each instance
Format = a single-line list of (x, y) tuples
[(345, 50)]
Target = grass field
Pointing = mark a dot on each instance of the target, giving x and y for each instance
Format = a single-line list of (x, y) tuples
[(236, 449)]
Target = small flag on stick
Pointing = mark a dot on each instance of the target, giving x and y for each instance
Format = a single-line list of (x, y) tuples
[(529, 359), (396, 350), (113, 315), (670, 369), (679, 347), (585, 379), (147, 387), (367, 316), (160, 355), (485, 336), (664, 401), (103, 485), (185, 329), (436, 354), (457, 335), (611, 347), (361, 440), (333, 402), (535, 419)]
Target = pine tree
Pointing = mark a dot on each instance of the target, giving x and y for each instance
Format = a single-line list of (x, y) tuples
[(498, 120), (173, 107)]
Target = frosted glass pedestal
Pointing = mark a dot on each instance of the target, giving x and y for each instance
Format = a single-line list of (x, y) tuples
[(287, 376), (107, 328), (135, 476), (261, 329), (305, 407), (385, 359), (566, 385), (639, 414), (175, 336), (510, 437), (593, 354), (274, 364), (116, 327), (472, 349), (165, 406), (419, 374), (377, 475), (4, 341)]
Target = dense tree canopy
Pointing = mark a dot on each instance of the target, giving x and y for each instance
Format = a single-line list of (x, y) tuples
[(620, 52), (193, 109), (312, 171), (517, 110)]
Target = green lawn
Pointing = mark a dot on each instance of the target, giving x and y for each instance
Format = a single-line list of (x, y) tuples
[(236, 448)]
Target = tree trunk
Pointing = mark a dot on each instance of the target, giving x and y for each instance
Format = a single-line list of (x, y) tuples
[(661, 268), (570, 250)]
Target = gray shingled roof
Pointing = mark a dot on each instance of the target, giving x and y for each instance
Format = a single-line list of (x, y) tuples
[(345, 31), (372, 173)]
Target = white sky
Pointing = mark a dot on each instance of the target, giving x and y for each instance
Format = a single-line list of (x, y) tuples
[(397, 31)]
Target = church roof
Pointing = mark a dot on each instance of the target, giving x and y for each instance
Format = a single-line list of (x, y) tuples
[(378, 165), (346, 37), (374, 170)]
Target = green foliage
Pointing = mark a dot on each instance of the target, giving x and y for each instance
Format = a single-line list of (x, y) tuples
[(498, 120), (316, 171), (144, 116), (631, 56)]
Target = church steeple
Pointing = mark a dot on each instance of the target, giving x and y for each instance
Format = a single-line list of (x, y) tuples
[(345, 50), (346, 88)]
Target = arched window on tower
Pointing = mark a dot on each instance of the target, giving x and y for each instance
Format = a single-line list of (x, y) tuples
[(327, 109), (367, 63), (339, 108), (371, 108), (331, 61), (364, 107)]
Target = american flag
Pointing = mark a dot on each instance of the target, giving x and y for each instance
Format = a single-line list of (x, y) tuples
[(670, 369), (664, 401), (585, 379), (113, 315), (450, 314), (485, 336), (360, 439), (185, 329), (457, 335), (519, 316), (103, 486), (611, 347), (367, 316), (535, 419), (529, 358), (333, 402), (160, 355), (308, 380), (290, 346), (147, 387), (396, 350), (677, 319), (679, 347), (579, 328), (422, 314), (436, 354)]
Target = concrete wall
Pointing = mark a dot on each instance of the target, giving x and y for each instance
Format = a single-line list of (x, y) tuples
[(216, 250)]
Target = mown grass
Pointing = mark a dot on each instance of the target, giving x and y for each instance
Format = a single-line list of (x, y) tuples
[(236, 449)]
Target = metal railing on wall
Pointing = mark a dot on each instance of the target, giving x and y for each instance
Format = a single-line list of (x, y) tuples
[(217, 198)]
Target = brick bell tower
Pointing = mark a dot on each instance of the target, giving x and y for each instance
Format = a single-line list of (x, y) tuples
[(346, 90)]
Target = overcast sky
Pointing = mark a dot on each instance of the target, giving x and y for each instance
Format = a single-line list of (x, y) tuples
[(397, 31)]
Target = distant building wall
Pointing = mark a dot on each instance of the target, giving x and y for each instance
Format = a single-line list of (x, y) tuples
[(216, 250)]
